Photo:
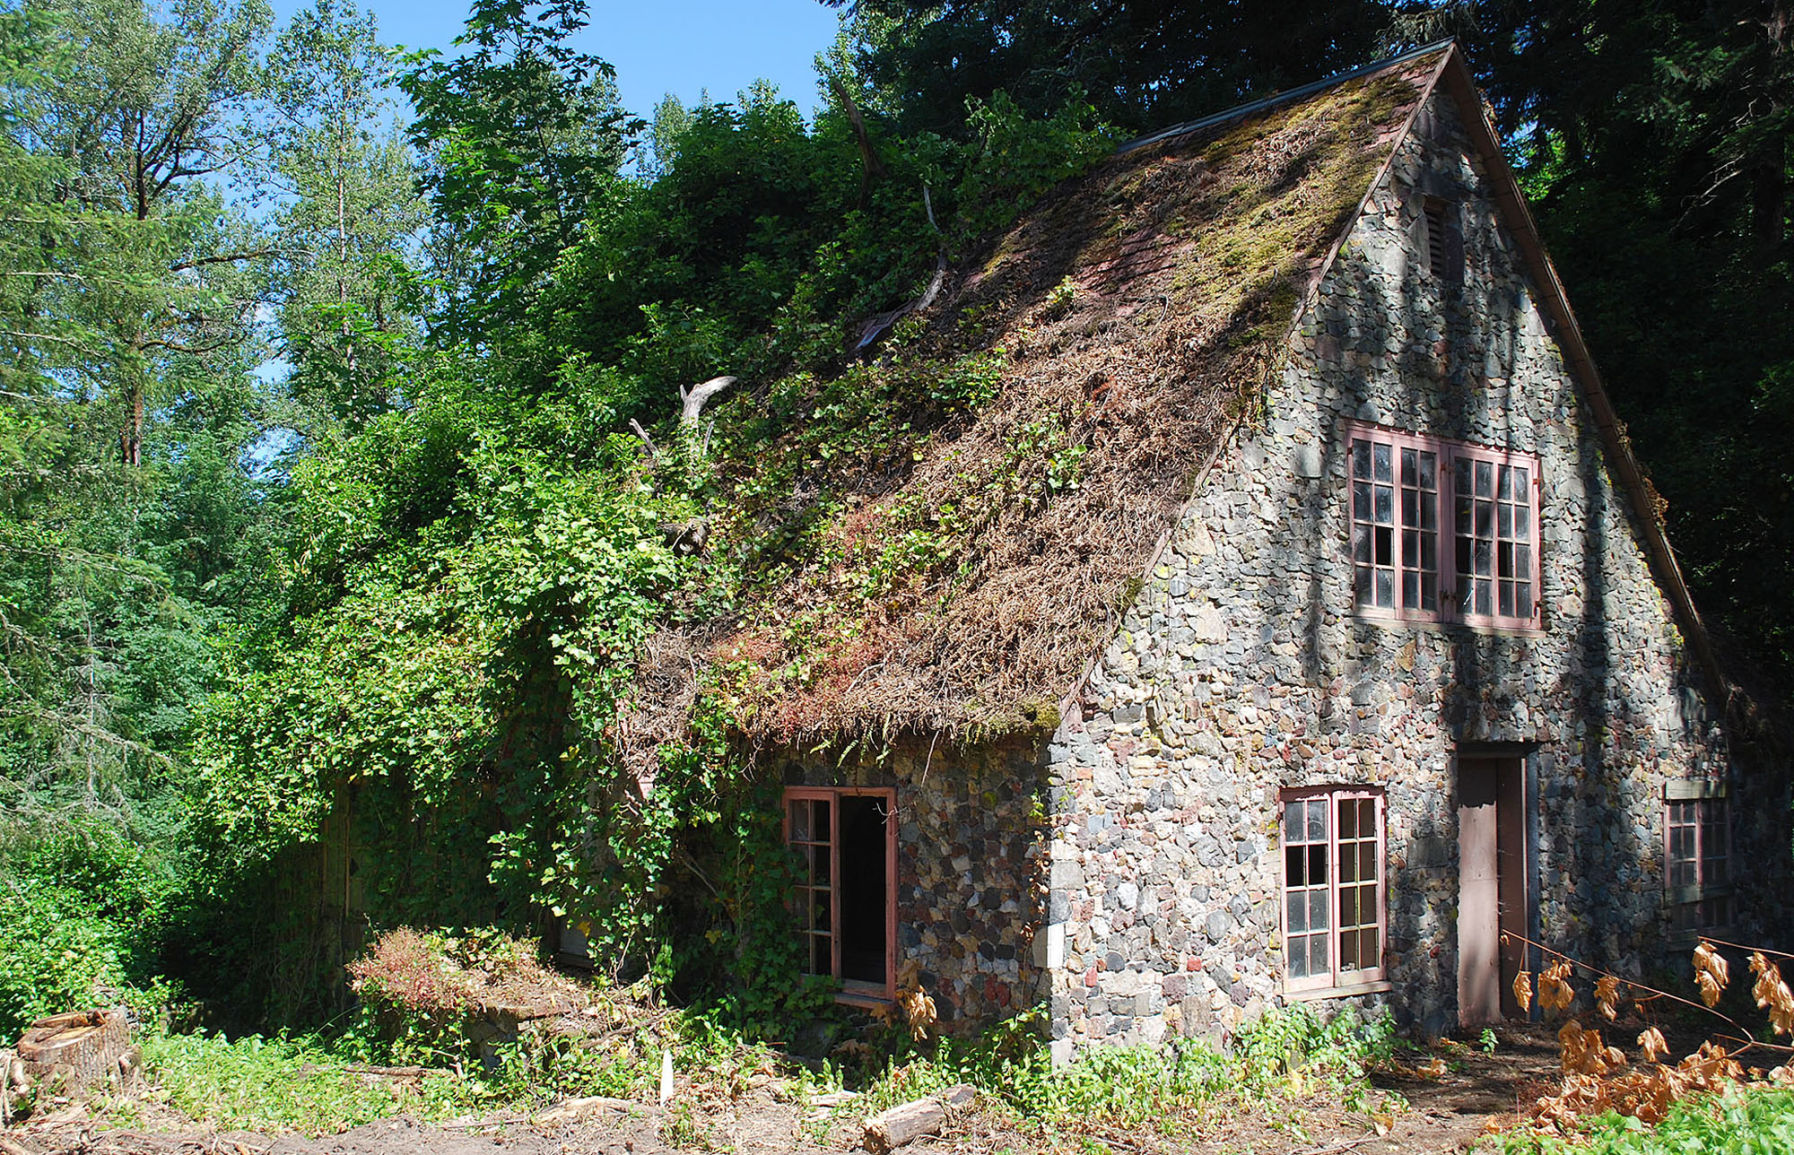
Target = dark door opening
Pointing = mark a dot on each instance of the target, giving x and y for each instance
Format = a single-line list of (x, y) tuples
[(865, 889), (1492, 869)]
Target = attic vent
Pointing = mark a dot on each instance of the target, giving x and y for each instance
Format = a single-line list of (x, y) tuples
[(1443, 252)]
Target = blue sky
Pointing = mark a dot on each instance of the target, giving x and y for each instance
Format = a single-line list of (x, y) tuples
[(657, 46)]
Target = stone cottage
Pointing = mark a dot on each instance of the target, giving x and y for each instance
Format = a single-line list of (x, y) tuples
[(1356, 644)]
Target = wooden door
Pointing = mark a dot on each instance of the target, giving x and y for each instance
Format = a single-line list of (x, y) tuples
[(1492, 869)]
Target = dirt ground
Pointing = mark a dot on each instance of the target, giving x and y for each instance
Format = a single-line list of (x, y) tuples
[(1454, 1095)]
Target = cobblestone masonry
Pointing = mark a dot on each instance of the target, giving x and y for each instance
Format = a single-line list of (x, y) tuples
[(970, 868), (1241, 670)]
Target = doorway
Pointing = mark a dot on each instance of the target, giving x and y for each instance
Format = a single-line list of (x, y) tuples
[(1492, 879)]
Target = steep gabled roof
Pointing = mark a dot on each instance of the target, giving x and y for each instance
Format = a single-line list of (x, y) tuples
[(965, 564), (960, 570)]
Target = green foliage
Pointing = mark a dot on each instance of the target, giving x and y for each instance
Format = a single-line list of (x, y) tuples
[(1734, 1122), (524, 136), (1286, 1051), (81, 905), (262, 1084), (1148, 65)]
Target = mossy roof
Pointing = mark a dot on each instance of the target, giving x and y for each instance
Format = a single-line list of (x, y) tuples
[(971, 539)]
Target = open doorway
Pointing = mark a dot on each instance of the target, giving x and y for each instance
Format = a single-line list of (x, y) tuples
[(1493, 865)]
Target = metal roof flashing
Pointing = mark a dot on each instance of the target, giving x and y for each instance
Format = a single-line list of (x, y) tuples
[(1263, 103)]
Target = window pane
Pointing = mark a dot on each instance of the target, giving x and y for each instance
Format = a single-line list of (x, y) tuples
[(1385, 505), (822, 960), (1380, 455), (799, 811), (1485, 479), (1298, 913), (1317, 863), (819, 824), (1429, 592), (1295, 860), (1317, 955), (1485, 519), (1504, 487), (1360, 458), (819, 864), (1410, 507), (1523, 600), (1367, 860), (1348, 819), (1298, 957), (1522, 523), (1429, 466), (1370, 951), (1505, 601), (1367, 817), (1385, 551), (819, 910), (1482, 597), (1361, 500), (1348, 952), (1504, 522), (1317, 819), (1410, 467), (1293, 823), (1361, 544), (1520, 482), (1385, 588), (1317, 910)]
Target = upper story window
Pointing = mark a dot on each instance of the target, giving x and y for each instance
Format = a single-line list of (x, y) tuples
[(1697, 862), (1443, 530)]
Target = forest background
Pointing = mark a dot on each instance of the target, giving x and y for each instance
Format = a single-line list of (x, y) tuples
[(417, 561)]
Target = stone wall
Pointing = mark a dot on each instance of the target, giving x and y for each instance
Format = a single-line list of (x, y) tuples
[(1242, 670), (970, 868)]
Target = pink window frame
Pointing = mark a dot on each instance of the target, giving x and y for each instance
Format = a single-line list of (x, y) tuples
[(1335, 978), (1448, 452), (853, 991), (1702, 889)]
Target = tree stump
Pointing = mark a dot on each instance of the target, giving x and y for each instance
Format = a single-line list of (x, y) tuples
[(81, 1048)]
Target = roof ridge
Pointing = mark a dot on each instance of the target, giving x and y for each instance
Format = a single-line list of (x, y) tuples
[(1277, 98)]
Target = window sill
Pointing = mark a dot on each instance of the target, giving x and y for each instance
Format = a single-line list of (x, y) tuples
[(1317, 994), (1392, 621), (866, 995)]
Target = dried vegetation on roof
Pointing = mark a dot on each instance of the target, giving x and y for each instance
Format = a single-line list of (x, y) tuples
[(944, 539)]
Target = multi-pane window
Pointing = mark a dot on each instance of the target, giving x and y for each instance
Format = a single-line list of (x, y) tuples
[(1333, 925), (845, 901), (1484, 572), (1697, 864)]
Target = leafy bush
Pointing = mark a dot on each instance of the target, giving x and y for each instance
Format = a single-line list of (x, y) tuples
[(82, 906)]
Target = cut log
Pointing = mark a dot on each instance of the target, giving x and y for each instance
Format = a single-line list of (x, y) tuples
[(889, 1130)]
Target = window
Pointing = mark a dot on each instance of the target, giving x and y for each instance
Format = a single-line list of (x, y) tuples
[(1333, 924), (1697, 865), (846, 898), (1407, 494)]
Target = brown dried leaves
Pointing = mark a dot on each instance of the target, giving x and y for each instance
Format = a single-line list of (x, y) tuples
[(1772, 994), (1608, 996), (1710, 972)]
